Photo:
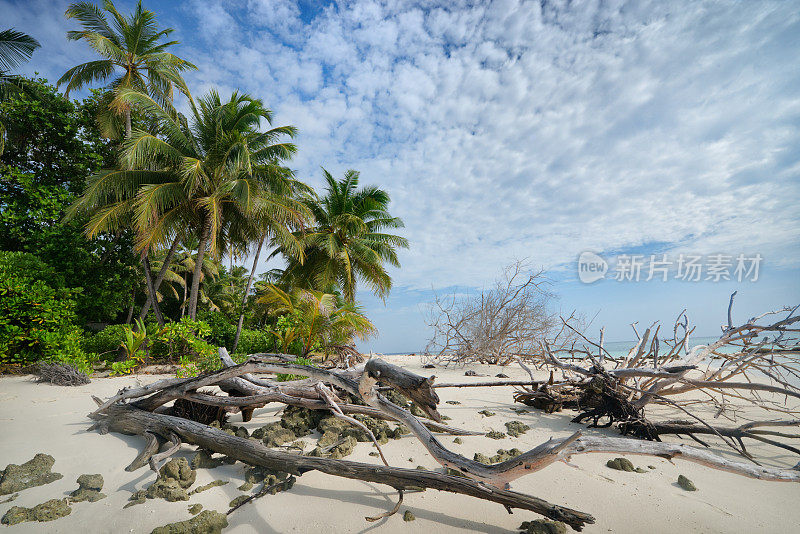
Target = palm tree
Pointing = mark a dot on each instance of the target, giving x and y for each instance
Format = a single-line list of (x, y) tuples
[(130, 46), (346, 243), (323, 319), (220, 176), (15, 48)]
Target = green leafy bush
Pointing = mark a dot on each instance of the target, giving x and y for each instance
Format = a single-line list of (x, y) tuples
[(37, 320), (107, 341), (253, 341), (223, 332)]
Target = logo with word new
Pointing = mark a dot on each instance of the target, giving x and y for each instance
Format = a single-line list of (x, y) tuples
[(591, 267)]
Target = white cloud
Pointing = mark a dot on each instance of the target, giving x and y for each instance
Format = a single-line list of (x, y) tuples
[(529, 129)]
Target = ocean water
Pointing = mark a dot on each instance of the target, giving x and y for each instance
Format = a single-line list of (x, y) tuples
[(615, 348)]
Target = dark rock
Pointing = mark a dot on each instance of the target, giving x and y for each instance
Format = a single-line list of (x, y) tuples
[(301, 420), (34, 472), (238, 500), (452, 402), (397, 398), (486, 413), (89, 487), (173, 478), (458, 441), (686, 484), (138, 497), (620, 464), (206, 522), (516, 428), (543, 526), (501, 456), (417, 411), (47, 511), (470, 373), (500, 375), (429, 366), (204, 460), (179, 470)]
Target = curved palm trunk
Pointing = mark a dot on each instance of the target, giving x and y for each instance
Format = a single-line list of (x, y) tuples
[(198, 267), (159, 278), (151, 292), (247, 292)]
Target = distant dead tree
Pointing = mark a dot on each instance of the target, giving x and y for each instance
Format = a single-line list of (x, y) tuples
[(510, 320)]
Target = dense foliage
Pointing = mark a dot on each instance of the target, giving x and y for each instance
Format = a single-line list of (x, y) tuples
[(116, 212)]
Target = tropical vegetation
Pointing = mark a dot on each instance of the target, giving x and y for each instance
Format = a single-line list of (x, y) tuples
[(124, 222)]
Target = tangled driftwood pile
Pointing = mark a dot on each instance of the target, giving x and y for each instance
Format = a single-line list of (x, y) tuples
[(756, 363), (144, 411)]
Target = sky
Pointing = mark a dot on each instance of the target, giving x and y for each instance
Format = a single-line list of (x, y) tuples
[(529, 131)]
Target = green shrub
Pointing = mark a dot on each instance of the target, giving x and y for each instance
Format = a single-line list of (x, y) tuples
[(176, 339), (253, 341), (37, 320), (223, 332), (107, 341)]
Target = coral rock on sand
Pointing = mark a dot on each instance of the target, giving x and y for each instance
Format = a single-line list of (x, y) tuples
[(408, 516), (486, 413), (173, 479), (89, 487), (686, 484), (516, 428), (34, 472), (501, 456), (621, 464), (206, 522), (195, 509), (494, 434), (238, 500), (204, 460), (47, 511), (543, 526)]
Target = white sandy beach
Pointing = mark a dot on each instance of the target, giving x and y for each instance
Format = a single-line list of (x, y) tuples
[(52, 420)]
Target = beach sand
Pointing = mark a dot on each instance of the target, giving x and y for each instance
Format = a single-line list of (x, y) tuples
[(51, 419)]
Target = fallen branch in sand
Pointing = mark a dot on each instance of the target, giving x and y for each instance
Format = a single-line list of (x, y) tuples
[(762, 355), (138, 412)]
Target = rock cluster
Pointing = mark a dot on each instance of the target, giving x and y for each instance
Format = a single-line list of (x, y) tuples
[(206, 522), (47, 511), (89, 487), (34, 472)]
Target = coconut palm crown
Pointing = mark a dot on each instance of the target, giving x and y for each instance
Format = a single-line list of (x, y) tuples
[(347, 242), (131, 47), (217, 177)]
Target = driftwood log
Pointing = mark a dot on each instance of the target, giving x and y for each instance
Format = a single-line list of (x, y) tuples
[(757, 362), (140, 411)]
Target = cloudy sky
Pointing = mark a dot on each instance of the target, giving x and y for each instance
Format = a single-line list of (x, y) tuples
[(538, 130)]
